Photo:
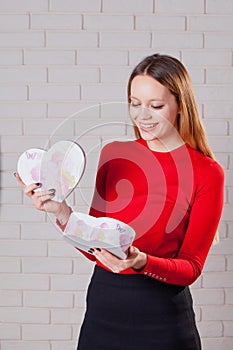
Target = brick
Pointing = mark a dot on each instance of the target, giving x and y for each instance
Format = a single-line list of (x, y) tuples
[(56, 21), (23, 315), (42, 332), (23, 248), (103, 57), (67, 345), (69, 283), (80, 299), (125, 40), (11, 57), (73, 5), (197, 75), (102, 127), (129, 6), (26, 39), (74, 316), (10, 298), (49, 57), (73, 75), (225, 246), (216, 280), (208, 296), (61, 249), (54, 92), (210, 329), (115, 74), (24, 282), (21, 214), (23, 345), (219, 76), (227, 212), (41, 231), (13, 93), (9, 231), (218, 110), (209, 23), (220, 312), (230, 263), (9, 265), (215, 263), (218, 7), (23, 110), (213, 92), (229, 296), (47, 265), (48, 300), (105, 92), (83, 266), (22, 75), (160, 23), (177, 40), (106, 22), (217, 343), (179, 6), (48, 127), (213, 127), (228, 328), (72, 39), (24, 5), (13, 22), (10, 127), (219, 40), (9, 331), (206, 58), (80, 110)]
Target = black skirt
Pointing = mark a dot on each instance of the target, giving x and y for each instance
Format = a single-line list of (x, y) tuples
[(136, 312)]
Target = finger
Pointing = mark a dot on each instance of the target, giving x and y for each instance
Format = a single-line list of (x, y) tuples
[(115, 264), (18, 178), (47, 195), (29, 190)]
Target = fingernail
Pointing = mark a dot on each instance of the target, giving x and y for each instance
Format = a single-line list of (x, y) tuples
[(89, 251), (92, 250), (14, 174), (38, 184), (52, 190), (99, 250)]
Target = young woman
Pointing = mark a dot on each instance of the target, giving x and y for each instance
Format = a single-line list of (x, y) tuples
[(168, 187)]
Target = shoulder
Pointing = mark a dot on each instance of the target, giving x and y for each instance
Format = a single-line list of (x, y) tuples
[(206, 167), (118, 146)]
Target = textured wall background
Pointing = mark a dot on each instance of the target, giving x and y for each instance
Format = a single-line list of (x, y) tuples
[(57, 58)]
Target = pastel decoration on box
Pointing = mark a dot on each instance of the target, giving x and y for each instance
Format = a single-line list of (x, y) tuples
[(85, 231), (61, 167)]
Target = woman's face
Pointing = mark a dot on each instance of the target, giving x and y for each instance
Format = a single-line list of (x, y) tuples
[(153, 109)]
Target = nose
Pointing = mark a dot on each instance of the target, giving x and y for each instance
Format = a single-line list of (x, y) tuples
[(145, 113)]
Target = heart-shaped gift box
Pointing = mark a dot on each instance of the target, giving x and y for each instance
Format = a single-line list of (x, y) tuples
[(61, 168)]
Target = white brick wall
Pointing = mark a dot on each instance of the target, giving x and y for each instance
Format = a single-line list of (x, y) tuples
[(58, 58)]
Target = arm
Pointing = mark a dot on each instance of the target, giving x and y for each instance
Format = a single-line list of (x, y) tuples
[(202, 227)]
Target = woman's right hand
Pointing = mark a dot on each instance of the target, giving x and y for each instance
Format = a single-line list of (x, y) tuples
[(42, 200)]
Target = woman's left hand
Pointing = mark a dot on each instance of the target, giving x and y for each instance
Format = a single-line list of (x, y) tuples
[(135, 259)]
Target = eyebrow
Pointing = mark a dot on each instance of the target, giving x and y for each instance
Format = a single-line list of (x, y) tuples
[(152, 99)]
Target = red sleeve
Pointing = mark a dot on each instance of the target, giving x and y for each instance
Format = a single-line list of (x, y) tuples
[(202, 227)]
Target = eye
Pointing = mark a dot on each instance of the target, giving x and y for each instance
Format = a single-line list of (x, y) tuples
[(135, 105), (157, 107)]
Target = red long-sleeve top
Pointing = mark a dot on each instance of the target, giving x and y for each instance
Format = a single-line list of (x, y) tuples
[(173, 200)]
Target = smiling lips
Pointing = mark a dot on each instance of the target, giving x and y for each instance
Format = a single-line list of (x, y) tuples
[(147, 127)]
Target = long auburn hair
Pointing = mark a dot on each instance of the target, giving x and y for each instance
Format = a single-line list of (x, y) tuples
[(171, 73)]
